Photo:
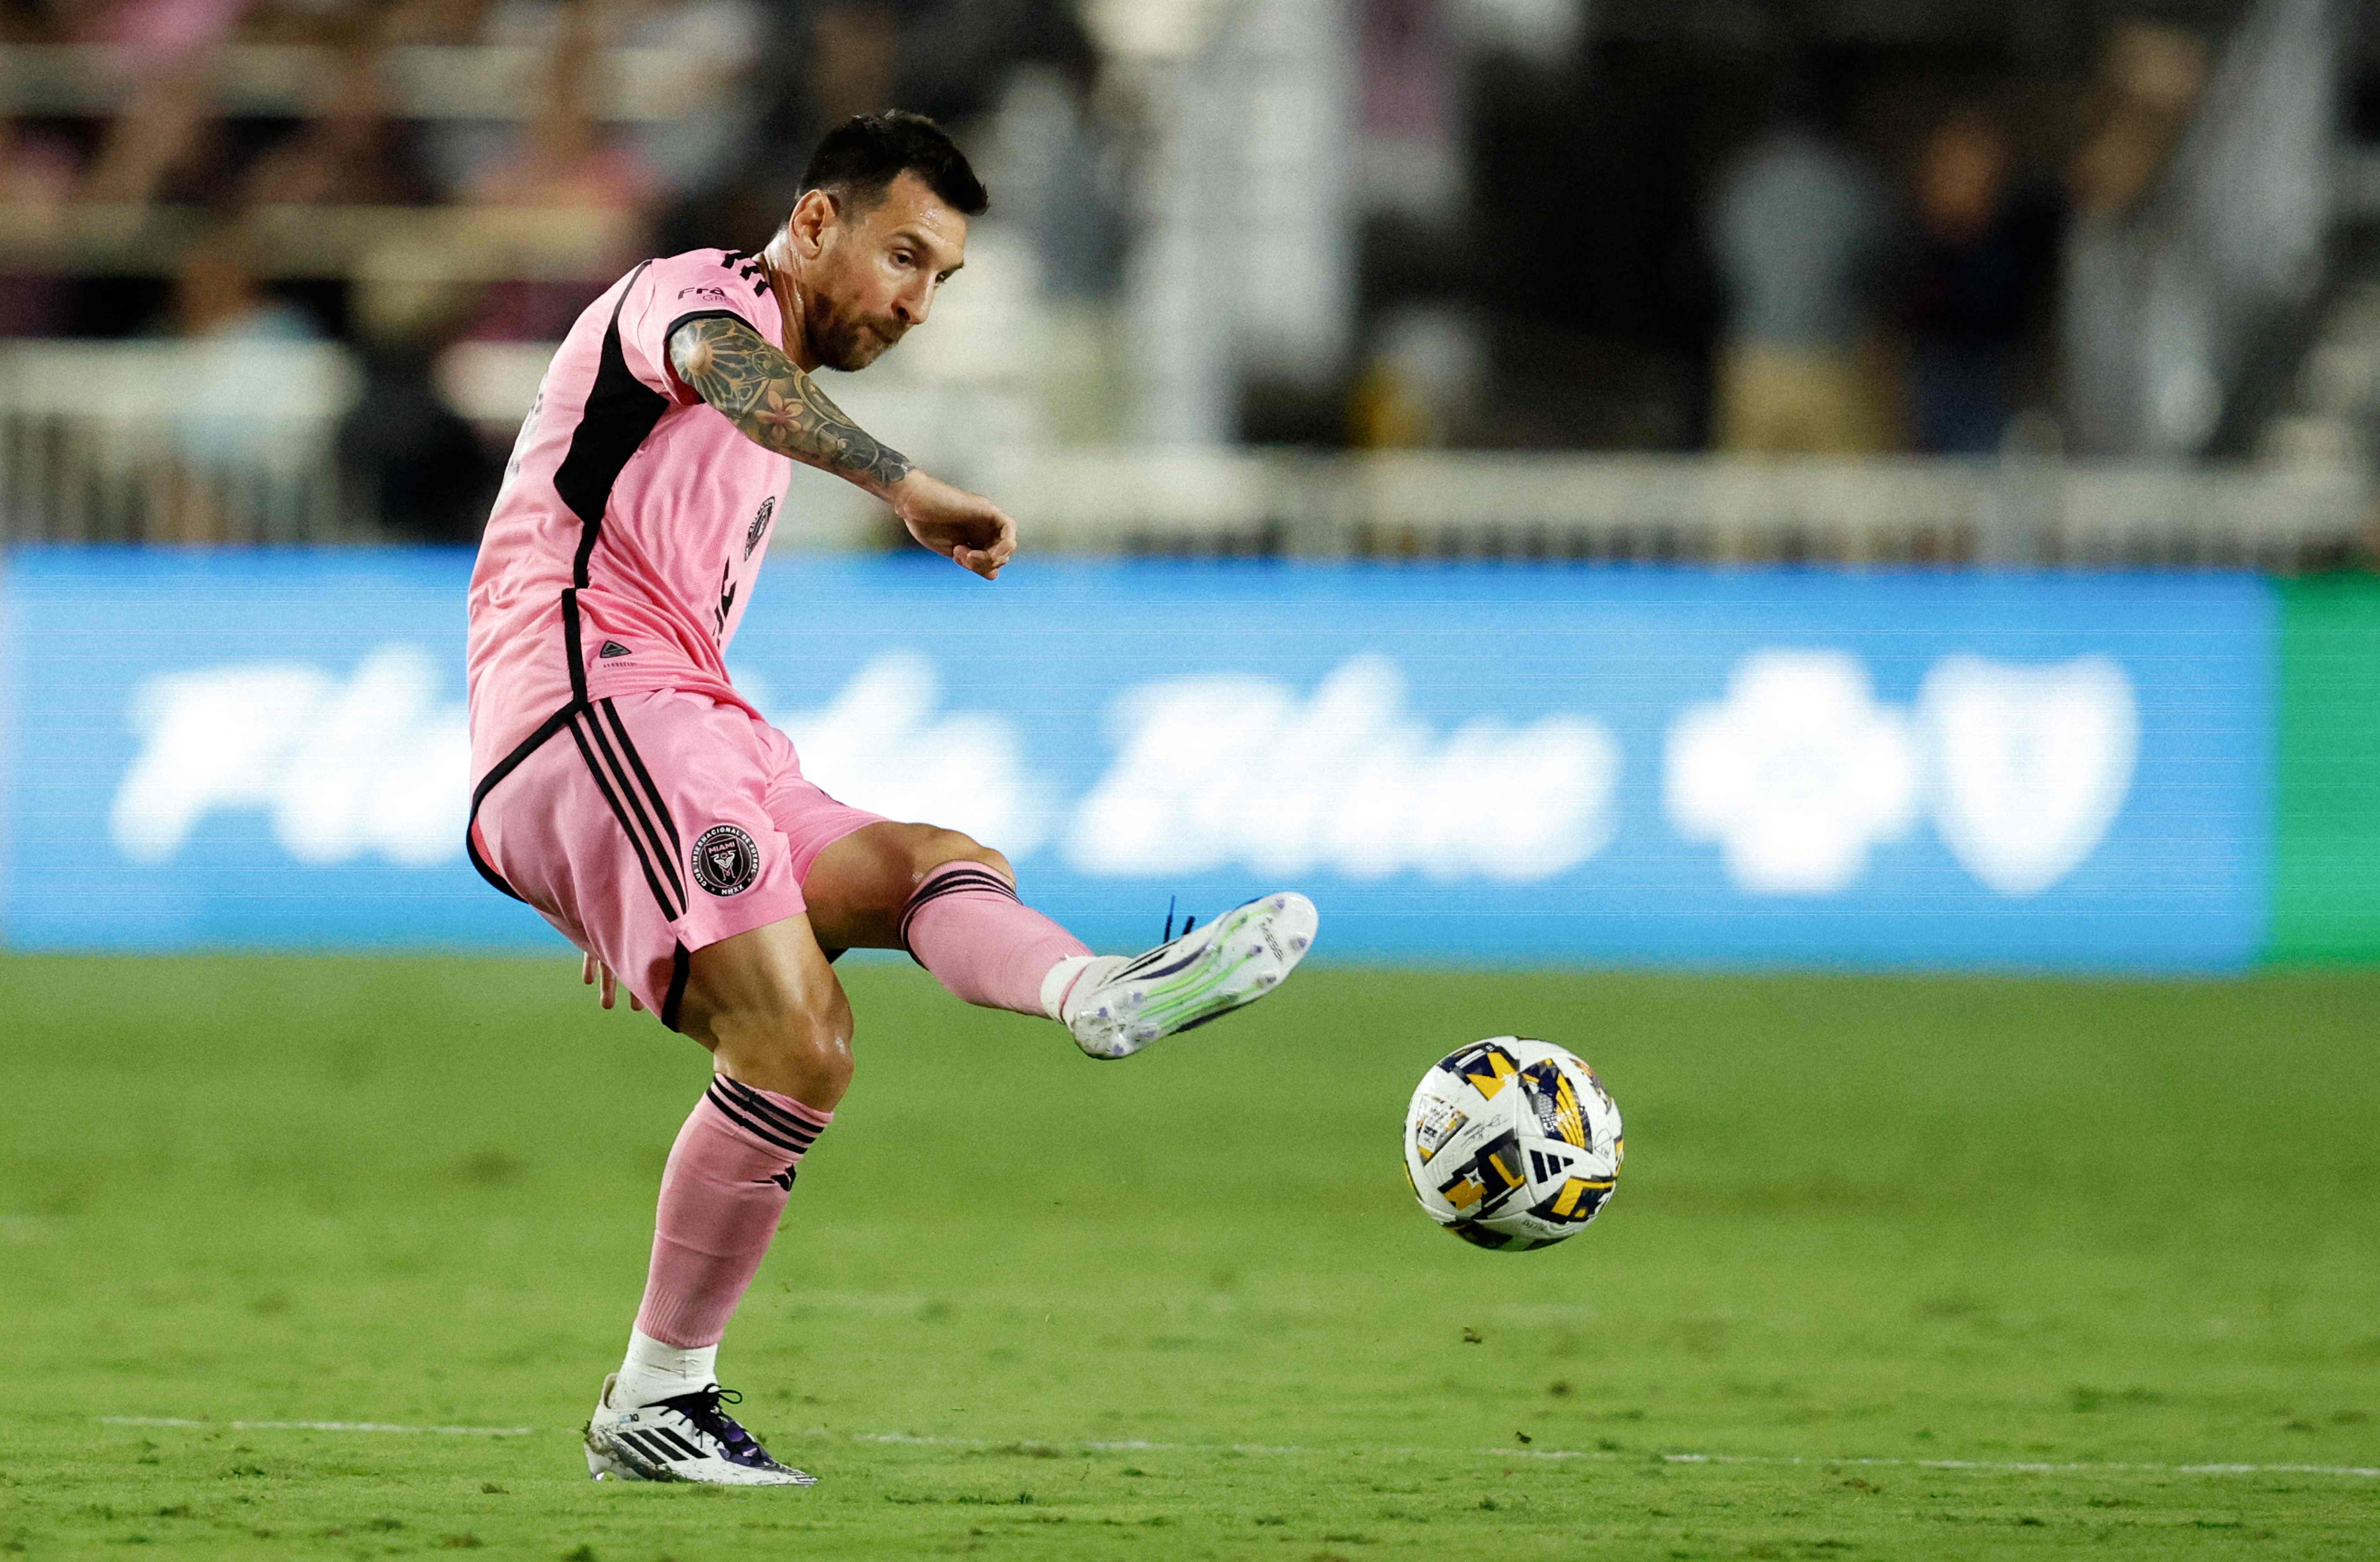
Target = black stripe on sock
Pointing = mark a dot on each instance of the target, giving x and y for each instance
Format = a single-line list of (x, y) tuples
[(968, 878), (746, 1096), (604, 784), (665, 852), (731, 1113), (800, 1135), (971, 880)]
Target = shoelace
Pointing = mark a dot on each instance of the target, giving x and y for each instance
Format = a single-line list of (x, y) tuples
[(1193, 921), (702, 1408)]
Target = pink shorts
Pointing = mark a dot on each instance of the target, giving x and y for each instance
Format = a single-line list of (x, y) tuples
[(648, 826)]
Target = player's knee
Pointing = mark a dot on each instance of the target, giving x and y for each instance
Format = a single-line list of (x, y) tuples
[(939, 848), (798, 1045)]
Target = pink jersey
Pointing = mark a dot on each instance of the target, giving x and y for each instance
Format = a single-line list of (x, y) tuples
[(633, 518)]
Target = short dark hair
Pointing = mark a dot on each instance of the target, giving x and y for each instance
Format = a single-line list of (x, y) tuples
[(867, 151)]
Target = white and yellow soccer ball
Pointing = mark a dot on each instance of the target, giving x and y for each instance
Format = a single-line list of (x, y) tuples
[(1513, 1143)]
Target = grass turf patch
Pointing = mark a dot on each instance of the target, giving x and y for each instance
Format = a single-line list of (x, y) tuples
[(1028, 1305)]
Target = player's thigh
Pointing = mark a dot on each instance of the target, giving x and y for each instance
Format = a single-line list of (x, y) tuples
[(641, 831), (858, 887), (767, 1004)]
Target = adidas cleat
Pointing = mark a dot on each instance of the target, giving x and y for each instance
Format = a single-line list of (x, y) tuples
[(1122, 1004), (685, 1438)]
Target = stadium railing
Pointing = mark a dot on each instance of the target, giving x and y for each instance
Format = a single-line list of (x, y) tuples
[(1655, 508), (422, 80), (235, 442), (417, 245), (208, 442)]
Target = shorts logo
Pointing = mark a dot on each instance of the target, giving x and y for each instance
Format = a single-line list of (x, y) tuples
[(725, 861)]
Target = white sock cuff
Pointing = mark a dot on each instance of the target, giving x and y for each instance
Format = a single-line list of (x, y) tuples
[(657, 1370), (1062, 977)]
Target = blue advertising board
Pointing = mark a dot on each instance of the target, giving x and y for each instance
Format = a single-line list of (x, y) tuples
[(1558, 765)]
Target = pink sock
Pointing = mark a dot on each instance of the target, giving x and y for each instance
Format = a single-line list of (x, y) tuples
[(726, 1185), (966, 926)]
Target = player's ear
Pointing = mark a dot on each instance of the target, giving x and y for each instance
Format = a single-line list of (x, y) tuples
[(813, 215)]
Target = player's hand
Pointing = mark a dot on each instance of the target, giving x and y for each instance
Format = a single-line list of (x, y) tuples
[(964, 528), (590, 967)]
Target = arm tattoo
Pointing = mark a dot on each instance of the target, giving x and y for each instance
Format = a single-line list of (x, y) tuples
[(765, 393)]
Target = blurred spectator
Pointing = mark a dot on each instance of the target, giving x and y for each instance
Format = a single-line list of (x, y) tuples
[(351, 152), (1421, 381), (1800, 234), (715, 45), (434, 21), (242, 399), (854, 48), (168, 48), (1981, 282), (563, 155), (38, 174), (2149, 80), (408, 459)]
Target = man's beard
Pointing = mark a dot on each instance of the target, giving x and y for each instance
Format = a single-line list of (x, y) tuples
[(848, 343)]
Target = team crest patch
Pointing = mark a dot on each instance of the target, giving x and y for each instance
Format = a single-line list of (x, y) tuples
[(725, 861), (759, 526)]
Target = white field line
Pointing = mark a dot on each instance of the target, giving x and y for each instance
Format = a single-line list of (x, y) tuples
[(1136, 1445), (315, 1426), (2366, 1473)]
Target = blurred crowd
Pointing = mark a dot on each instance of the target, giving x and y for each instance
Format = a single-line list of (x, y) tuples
[(728, 98), (1866, 313), (1567, 224)]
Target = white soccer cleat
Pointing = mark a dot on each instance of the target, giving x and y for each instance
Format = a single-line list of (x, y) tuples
[(685, 1438), (1124, 1002)]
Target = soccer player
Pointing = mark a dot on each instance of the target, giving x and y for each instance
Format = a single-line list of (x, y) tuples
[(625, 790)]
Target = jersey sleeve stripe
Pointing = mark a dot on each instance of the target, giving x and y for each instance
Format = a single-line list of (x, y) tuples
[(620, 413)]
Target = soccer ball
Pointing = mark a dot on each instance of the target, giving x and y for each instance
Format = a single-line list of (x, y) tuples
[(1513, 1143)]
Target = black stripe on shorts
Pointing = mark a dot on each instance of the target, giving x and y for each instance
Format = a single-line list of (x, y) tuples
[(653, 880)]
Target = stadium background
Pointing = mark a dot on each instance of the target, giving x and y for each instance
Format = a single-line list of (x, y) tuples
[(1819, 553)]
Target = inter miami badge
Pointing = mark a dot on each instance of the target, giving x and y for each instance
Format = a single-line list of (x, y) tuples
[(725, 861), (759, 526)]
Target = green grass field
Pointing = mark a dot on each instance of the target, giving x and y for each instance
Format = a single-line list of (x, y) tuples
[(2028, 1249)]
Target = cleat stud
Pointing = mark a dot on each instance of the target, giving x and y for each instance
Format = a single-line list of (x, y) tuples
[(1297, 943)]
